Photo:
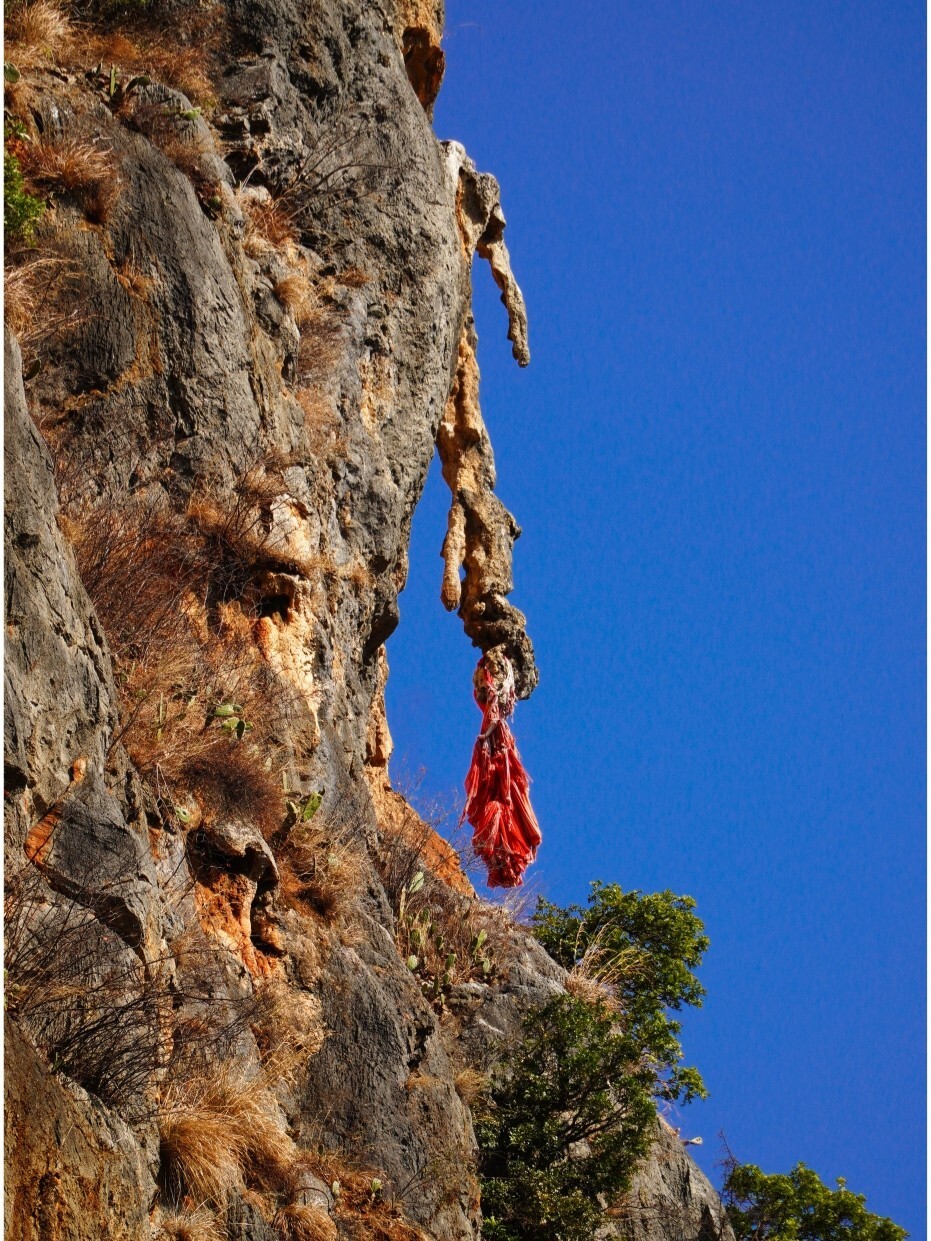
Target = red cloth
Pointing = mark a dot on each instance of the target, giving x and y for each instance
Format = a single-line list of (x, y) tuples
[(497, 806)]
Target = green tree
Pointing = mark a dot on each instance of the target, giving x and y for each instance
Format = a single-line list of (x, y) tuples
[(647, 947), (798, 1206), (571, 1116)]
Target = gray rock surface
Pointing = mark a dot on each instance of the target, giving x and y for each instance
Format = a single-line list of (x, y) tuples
[(273, 336), (76, 1170), (671, 1199), (59, 700)]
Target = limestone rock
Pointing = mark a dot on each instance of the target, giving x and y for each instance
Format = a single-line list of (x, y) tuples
[(60, 702), (74, 1171), (249, 360)]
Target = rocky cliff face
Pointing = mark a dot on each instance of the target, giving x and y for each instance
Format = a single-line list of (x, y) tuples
[(244, 337)]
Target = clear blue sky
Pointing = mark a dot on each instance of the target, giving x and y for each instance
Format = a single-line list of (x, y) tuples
[(717, 455)]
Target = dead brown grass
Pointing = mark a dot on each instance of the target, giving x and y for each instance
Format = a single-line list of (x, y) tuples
[(76, 166), (455, 936), (166, 594), (304, 1223), (41, 305), (361, 1211), (288, 1027), (597, 977), (229, 779), (321, 345), (198, 1225), (180, 54), (472, 1087), (322, 867), (216, 1131), (270, 226), (297, 295), (37, 33), (353, 278)]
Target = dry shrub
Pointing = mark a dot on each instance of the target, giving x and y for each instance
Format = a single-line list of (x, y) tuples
[(304, 1223), (269, 226), (207, 1027), (323, 867), (198, 1225), (85, 1000), (215, 1130), (165, 592), (288, 1028), (77, 166), (37, 33)]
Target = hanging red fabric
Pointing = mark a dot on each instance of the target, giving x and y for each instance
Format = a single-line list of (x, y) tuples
[(506, 833)]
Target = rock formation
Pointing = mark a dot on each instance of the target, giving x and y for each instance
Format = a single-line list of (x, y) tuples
[(246, 327)]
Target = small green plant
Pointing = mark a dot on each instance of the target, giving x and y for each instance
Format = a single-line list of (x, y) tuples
[(304, 810), (424, 947), (648, 945), (232, 719), (798, 1206), (570, 1117), (21, 210)]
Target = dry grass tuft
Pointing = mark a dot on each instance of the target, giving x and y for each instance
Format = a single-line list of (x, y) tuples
[(353, 278), (270, 226), (217, 1129), (304, 1223), (229, 779), (597, 977), (362, 1210), (297, 295), (21, 296), (288, 1028), (79, 167), (472, 1087), (37, 33), (197, 1225), (176, 48), (588, 990), (40, 302), (321, 346)]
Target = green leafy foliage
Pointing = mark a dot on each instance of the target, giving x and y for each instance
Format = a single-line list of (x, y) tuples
[(21, 210), (570, 1117), (647, 946), (798, 1206)]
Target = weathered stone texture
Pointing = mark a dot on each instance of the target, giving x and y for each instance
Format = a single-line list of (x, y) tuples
[(301, 384)]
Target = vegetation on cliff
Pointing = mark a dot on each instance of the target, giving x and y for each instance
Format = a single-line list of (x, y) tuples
[(643, 949), (572, 1105), (798, 1206)]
